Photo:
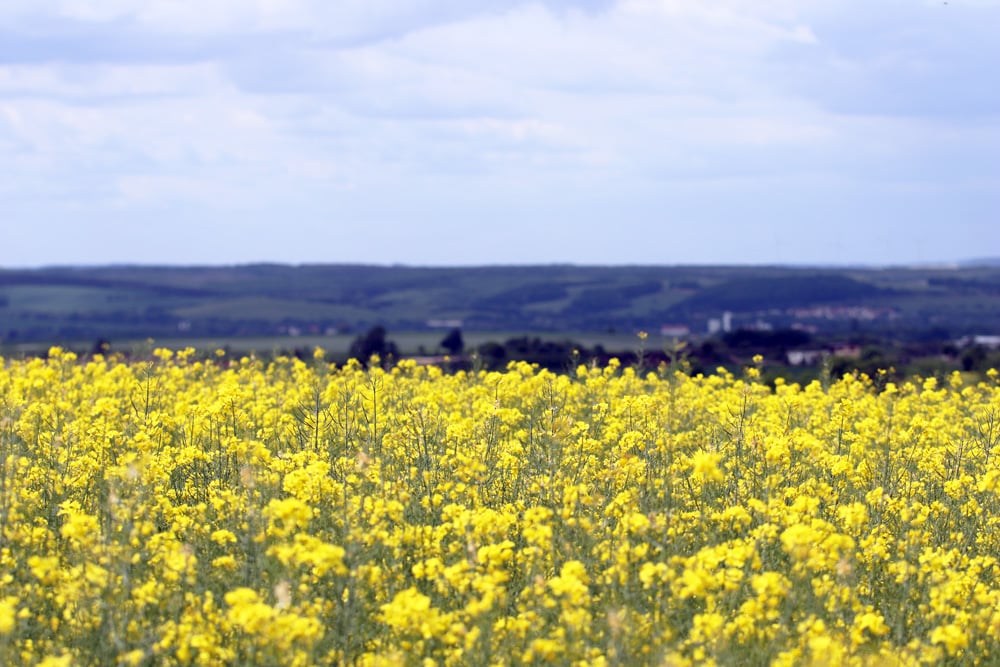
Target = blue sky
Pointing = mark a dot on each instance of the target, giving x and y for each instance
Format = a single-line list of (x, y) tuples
[(464, 132)]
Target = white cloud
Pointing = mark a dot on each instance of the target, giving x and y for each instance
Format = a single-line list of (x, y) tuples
[(448, 108)]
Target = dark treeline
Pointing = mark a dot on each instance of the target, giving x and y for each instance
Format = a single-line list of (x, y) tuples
[(790, 354), (733, 351)]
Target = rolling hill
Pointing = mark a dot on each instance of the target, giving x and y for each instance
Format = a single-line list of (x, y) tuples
[(74, 303)]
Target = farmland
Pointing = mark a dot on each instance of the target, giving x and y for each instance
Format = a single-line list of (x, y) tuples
[(134, 303), (179, 510)]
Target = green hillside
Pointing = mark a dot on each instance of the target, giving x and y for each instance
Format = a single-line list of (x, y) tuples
[(115, 302)]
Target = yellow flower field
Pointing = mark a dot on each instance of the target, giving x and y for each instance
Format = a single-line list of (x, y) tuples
[(232, 512)]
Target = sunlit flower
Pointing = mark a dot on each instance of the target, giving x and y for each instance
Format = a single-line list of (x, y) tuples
[(190, 510)]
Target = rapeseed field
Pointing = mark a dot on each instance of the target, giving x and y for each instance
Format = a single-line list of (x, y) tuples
[(179, 511)]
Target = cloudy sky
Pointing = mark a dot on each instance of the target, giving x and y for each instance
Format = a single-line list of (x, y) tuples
[(458, 132)]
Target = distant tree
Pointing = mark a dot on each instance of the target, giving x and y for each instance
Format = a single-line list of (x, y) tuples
[(935, 334), (874, 358), (102, 346), (493, 354), (973, 358), (710, 354), (780, 339), (373, 342), (453, 342)]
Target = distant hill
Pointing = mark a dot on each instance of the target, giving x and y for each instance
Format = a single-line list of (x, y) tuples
[(801, 290), (72, 303), (983, 261)]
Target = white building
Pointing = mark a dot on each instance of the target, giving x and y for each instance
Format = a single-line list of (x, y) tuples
[(675, 330), (805, 357), (991, 342)]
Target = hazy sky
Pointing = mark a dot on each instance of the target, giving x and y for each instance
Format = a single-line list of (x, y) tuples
[(444, 132)]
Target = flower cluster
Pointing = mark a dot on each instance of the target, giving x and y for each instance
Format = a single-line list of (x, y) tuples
[(230, 511)]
